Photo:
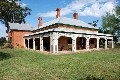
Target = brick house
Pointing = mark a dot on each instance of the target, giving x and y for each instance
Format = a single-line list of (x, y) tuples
[(17, 32), (61, 34)]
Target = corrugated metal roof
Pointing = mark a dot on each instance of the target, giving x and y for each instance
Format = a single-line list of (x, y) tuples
[(68, 21), (17, 26)]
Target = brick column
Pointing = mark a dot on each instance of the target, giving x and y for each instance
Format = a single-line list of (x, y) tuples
[(87, 43), (24, 43), (105, 43), (112, 43), (41, 43), (33, 43), (74, 44), (56, 46), (28, 43), (53, 43), (98, 43)]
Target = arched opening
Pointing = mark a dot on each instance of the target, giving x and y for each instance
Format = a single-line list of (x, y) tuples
[(31, 43), (46, 43), (64, 43), (26, 43), (109, 43), (80, 43), (92, 43), (37, 43), (102, 43)]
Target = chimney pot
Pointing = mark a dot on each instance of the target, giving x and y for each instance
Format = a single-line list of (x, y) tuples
[(58, 12), (40, 22), (75, 15)]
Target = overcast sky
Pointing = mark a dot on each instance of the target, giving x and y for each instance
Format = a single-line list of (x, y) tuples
[(88, 10)]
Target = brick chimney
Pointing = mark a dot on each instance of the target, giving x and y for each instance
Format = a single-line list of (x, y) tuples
[(39, 22), (58, 12), (75, 15)]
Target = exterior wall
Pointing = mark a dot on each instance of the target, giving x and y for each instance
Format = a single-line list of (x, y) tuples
[(17, 38)]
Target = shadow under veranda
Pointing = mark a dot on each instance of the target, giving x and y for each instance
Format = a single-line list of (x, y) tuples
[(4, 56)]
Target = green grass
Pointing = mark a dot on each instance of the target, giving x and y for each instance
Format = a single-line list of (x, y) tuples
[(20, 64)]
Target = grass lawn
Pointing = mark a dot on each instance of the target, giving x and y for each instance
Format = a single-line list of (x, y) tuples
[(20, 64)]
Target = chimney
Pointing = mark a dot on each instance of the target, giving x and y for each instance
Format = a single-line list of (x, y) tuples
[(58, 12), (40, 22), (75, 15)]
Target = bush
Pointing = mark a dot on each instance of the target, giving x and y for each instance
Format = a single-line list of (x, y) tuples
[(2, 41), (7, 45), (117, 45)]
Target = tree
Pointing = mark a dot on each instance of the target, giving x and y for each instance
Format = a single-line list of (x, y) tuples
[(2, 40), (11, 11), (94, 23), (111, 22)]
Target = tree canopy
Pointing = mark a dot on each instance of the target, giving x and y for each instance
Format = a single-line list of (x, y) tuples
[(12, 11), (94, 23), (2, 40), (111, 22)]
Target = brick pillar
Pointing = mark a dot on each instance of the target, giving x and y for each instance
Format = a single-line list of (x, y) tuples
[(98, 43), (28, 43), (105, 43), (112, 43), (74, 44), (33, 43), (56, 40), (24, 43), (53, 43), (87, 43), (41, 43)]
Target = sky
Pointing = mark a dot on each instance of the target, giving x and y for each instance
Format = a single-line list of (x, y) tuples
[(88, 10)]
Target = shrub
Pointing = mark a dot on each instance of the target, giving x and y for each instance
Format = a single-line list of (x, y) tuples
[(7, 45)]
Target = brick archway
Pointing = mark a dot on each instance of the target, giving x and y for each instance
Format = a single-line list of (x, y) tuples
[(92, 43), (64, 43), (80, 43), (31, 43), (102, 43), (46, 43), (37, 43)]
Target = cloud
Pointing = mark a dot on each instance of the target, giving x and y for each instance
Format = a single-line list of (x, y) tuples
[(96, 8)]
